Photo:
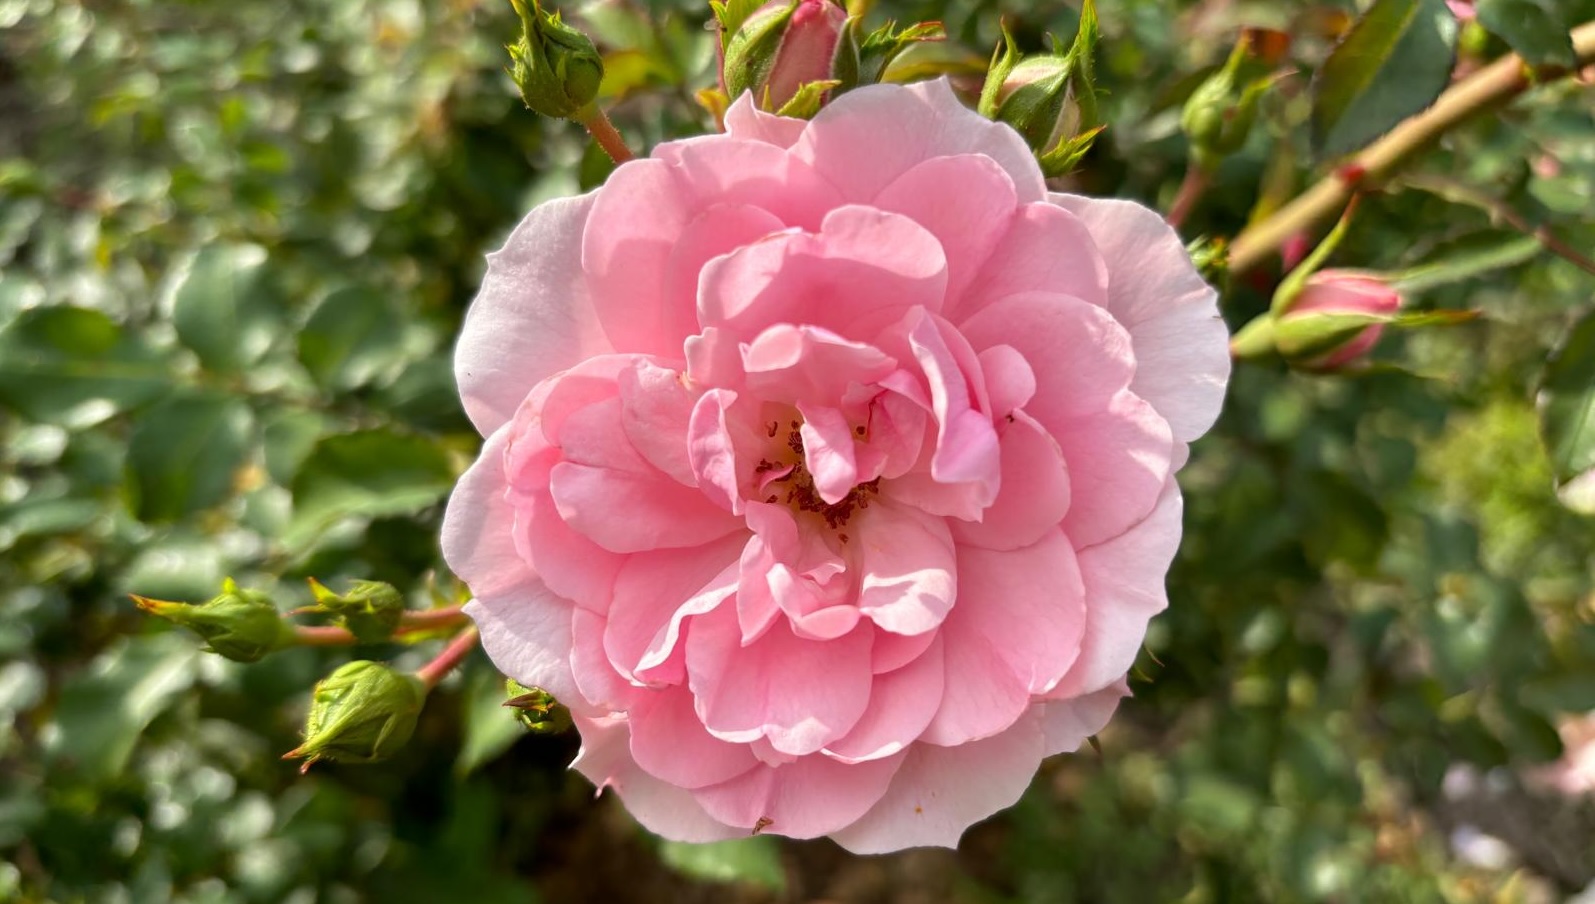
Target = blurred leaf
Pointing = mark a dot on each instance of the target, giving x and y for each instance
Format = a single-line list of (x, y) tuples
[(103, 711), (354, 337), (1393, 63), (371, 473), (184, 454), (756, 861), (490, 727), (221, 308), (1567, 403), (289, 437), (1536, 29), (54, 360), (1465, 258)]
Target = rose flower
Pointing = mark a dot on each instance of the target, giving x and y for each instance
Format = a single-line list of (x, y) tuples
[(829, 467)]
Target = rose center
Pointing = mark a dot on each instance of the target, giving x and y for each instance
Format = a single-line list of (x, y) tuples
[(783, 479)]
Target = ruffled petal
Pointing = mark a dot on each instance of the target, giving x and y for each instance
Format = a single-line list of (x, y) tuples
[(966, 202), (526, 632), (1181, 342), (939, 792), (661, 807), (1045, 249), (867, 138), (745, 120), (669, 742), (1035, 489), (901, 704), (1067, 723), (908, 566), (806, 798), (1119, 461), (533, 316)]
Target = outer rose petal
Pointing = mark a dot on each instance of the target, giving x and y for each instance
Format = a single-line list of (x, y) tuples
[(660, 806), (939, 792), (868, 137), (745, 120), (965, 201), (527, 635), (1124, 588), (479, 526), (1119, 460), (806, 798), (1067, 723), (901, 704), (533, 316), (670, 743), (1046, 249), (1181, 342)]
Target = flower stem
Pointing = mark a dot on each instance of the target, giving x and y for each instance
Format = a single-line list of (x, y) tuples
[(605, 134), (322, 636), (1485, 89), (1197, 178), (452, 655), (427, 619)]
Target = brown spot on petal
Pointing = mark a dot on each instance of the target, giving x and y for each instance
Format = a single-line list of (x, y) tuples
[(763, 823)]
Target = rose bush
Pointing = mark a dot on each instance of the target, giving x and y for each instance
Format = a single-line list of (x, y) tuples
[(829, 467)]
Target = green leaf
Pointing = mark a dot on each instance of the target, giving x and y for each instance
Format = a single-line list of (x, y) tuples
[(756, 861), (1393, 63), (1567, 403), (1536, 29), (371, 474), (184, 454), (103, 711), (222, 309), (55, 360), (490, 727), (354, 337), (1463, 259)]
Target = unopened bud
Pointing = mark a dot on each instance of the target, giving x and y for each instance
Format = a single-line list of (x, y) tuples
[(536, 709), (556, 67), (1336, 319), (1219, 115), (242, 625), (787, 46), (1050, 98), (361, 713), (370, 610)]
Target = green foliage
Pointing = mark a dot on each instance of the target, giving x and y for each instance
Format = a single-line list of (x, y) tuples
[(1392, 64), (236, 242), (1536, 29)]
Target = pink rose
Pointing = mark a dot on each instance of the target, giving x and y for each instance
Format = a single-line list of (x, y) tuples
[(829, 467)]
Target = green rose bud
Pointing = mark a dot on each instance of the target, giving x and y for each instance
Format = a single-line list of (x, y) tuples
[(361, 713), (1049, 99), (789, 53), (1219, 115), (556, 67), (242, 625), (536, 708), (371, 610)]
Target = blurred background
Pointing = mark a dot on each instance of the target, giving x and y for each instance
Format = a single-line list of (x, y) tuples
[(237, 240)]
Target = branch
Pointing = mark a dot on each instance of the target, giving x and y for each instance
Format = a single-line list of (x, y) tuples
[(1485, 89)]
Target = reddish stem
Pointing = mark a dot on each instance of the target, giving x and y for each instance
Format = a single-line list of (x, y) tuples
[(606, 135), (322, 636), (1191, 190), (452, 655)]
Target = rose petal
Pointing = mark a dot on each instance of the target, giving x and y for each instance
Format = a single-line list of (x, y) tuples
[(669, 742), (1118, 461), (533, 316), (806, 798), (1014, 633), (908, 566), (526, 632), (901, 126), (1067, 723), (901, 704), (661, 807), (479, 526), (655, 591), (801, 694), (745, 120), (1035, 490), (626, 512), (965, 201), (1181, 342), (1045, 249), (939, 792)]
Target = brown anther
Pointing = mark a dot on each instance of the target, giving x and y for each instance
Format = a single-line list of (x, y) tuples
[(775, 427)]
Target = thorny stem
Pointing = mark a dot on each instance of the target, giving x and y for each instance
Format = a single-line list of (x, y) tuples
[(1485, 89), (439, 668), (605, 134)]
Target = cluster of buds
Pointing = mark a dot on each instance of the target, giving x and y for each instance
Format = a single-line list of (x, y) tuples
[(1219, 115), (793, 55), (1050, 98)]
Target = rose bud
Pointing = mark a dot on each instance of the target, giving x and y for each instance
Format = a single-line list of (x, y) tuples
[(556, 67), (371, 610), (361, 713), (1219, 115), (1048, 98), (241, 625), (1344, 311), (786, 45)]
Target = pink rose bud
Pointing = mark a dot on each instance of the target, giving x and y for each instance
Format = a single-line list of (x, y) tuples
[(785, 45), (1462, 9), (1343, 292)]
